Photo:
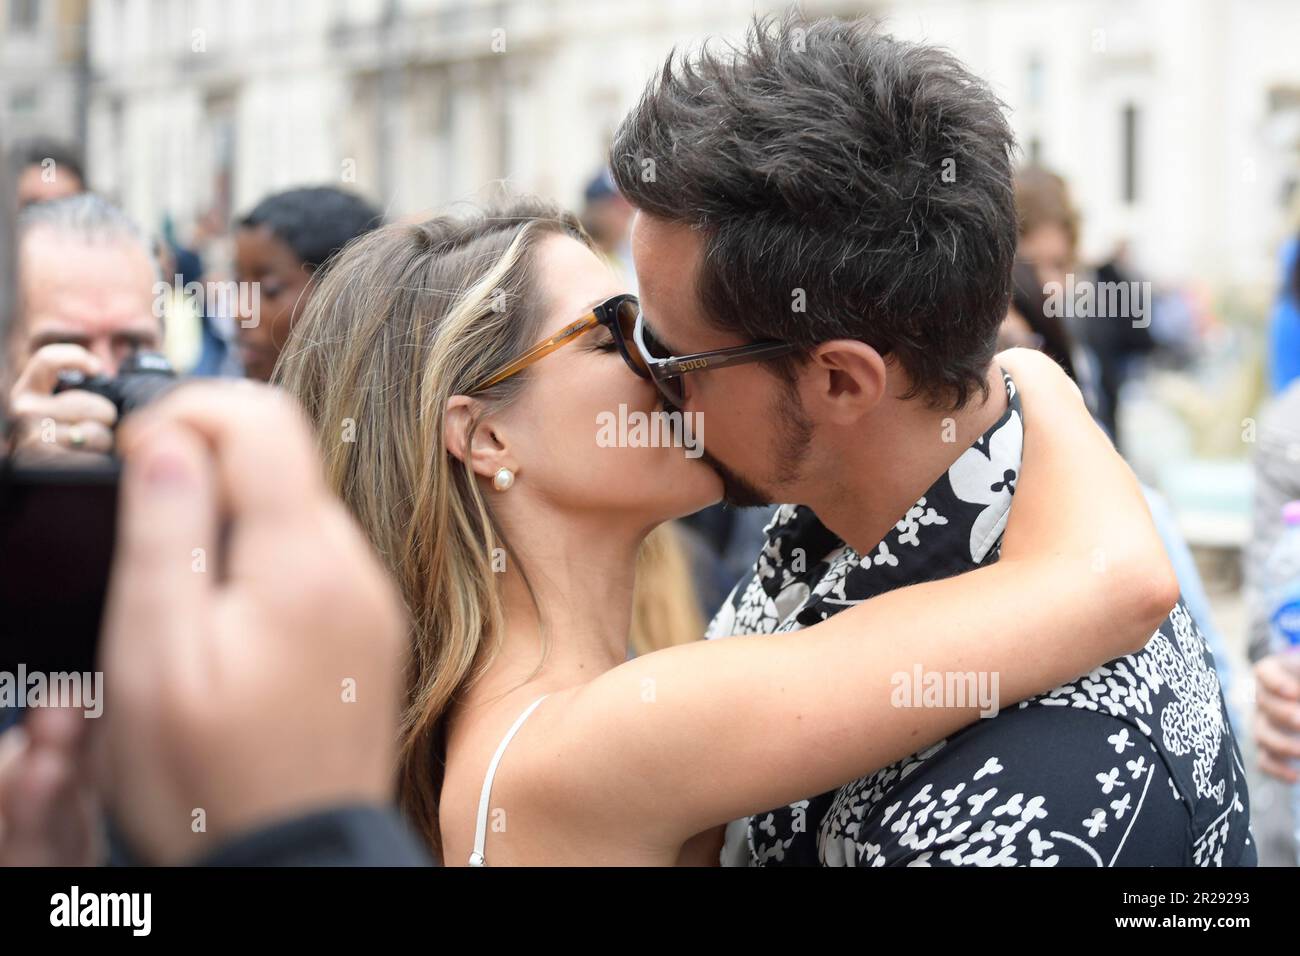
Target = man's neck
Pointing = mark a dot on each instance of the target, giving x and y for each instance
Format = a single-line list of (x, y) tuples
[(871, 483)]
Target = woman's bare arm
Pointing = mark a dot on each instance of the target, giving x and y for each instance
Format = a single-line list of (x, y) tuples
[(682, 739)]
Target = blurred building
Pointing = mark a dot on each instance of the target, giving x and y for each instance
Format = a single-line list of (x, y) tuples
[(1177, 122), (43, 68), (210, 104)]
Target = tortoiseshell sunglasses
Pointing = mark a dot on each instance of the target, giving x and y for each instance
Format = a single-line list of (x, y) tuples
[(618, 314)]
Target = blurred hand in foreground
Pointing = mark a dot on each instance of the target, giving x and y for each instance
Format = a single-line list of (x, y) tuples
[(253, 646), (49, 814)]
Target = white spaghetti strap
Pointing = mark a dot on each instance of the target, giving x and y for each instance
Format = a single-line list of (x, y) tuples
[(480, 826)]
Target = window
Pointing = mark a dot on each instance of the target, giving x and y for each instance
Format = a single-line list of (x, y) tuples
[(22, 102), (24, 15), (1129, 146), (1035, 81)]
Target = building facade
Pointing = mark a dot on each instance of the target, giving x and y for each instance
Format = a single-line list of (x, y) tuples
[(43, 69), (1177, 122)]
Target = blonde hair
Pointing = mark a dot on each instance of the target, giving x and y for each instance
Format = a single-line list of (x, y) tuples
[(403, 319), (665, 606)]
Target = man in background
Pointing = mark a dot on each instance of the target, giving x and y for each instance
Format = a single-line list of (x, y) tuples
[(45, 169), (607, 217), (86, 303), (1276, 468)]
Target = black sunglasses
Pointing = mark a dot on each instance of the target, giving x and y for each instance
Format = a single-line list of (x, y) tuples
[(667, 370)]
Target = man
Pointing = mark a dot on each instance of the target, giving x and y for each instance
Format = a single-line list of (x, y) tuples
[(87, 302), (279, 246), (607, 217), (46, 169), (1284, 322), (1277, 687), (850, 195)]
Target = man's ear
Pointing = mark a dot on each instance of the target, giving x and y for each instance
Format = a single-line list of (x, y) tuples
[(849, 379), (487, 452)]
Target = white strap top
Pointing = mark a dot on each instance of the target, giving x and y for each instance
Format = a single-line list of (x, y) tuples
[(480, 826)]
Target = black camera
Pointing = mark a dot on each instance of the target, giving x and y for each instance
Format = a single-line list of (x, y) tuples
[(141, 378), (51, 595)]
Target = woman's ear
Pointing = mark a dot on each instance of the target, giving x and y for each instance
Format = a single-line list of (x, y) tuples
[(486, 451)]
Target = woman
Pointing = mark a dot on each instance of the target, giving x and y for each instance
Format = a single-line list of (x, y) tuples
[(468, 453)]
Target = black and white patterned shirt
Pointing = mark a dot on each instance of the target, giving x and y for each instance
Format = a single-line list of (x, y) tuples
[(1133, 764)]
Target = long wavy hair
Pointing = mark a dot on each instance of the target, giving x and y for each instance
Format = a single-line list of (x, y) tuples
[(401, 320)]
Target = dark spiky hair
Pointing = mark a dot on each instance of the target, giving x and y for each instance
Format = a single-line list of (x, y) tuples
[(825, 156)]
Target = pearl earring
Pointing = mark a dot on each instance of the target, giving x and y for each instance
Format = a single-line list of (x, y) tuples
[(503, 479)]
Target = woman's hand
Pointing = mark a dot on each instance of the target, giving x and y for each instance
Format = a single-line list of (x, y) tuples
[(1078, 504)]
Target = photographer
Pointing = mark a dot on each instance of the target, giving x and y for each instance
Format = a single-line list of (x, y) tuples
[(86, 305)]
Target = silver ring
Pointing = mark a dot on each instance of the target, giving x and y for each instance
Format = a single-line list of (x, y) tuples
[(76, 436)]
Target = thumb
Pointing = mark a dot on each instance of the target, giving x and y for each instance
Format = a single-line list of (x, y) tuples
[(165, 557)]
